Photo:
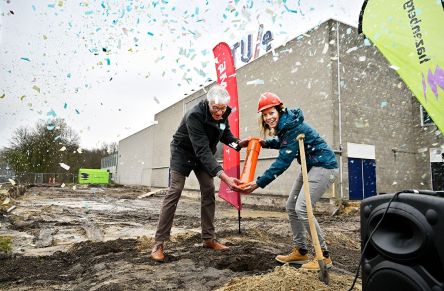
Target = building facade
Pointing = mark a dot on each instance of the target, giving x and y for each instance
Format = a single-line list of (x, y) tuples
[(348, 92), (109, 163)]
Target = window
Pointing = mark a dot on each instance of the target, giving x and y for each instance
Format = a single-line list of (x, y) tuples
[(437, 168), (425, 117)]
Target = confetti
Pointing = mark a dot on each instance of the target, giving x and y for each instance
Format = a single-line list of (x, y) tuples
[(324, 51), (256, 82), (6, 201), (64, 166), (25, 59), (359, 124), (289, 10), (351, 49), (422, 150), (62, 149), (200, 72), (51, 113), (36, 88)]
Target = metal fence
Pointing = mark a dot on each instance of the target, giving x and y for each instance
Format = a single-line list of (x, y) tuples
[(5, 178), (45, 178)]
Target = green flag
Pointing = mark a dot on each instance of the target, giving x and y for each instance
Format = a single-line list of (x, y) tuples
[(410, 34)]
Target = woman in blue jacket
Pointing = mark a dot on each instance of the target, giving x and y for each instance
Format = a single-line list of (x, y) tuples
[(284, 125)]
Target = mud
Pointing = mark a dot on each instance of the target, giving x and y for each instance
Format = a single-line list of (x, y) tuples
[(100, 239)]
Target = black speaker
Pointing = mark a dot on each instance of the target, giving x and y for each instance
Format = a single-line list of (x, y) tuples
[(406, 252)]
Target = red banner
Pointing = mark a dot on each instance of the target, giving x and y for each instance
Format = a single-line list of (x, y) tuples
[(226, 76)]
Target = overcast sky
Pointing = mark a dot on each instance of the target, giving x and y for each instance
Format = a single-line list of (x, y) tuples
[(108, 66)]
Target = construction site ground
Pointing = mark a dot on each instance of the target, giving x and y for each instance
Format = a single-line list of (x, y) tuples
[(94, 238)]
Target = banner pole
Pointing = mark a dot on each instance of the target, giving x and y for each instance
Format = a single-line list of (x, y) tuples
[(239, 218)]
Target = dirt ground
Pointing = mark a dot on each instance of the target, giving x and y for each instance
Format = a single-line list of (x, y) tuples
[(100, 238)]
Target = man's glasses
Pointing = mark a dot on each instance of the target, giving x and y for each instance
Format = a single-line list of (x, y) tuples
[(215, 108)]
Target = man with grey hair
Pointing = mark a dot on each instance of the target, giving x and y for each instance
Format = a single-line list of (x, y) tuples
[(192, 149)]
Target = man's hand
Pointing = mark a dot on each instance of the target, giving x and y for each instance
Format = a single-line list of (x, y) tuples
[(244, 142), (249, 187), (233, 183)]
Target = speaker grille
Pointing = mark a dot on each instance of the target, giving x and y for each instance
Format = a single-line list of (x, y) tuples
[(404, 234), (388, 276)]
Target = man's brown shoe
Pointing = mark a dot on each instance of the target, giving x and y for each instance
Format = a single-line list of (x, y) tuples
[(214, 244), (157, 252)]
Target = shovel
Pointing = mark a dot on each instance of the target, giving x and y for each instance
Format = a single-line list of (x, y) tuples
[(323, 273)]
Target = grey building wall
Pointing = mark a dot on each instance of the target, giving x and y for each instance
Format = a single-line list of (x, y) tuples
[(299, 73), (135, 158), (167, 122), (376, 108), (309, 89)]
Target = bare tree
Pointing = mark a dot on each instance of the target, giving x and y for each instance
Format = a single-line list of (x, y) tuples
[(41, 149)]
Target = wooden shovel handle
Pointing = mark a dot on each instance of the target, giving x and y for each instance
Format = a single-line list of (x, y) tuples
[(313, 232)]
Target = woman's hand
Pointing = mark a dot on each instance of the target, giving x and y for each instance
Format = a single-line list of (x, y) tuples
[(244, 142), (249, 187)]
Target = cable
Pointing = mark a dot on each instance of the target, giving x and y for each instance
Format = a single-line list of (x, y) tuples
[(371, 234)]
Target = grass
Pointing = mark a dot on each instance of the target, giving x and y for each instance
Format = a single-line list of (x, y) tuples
[(5, 243)]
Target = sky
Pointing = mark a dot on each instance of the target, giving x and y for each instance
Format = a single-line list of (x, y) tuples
[(108, 66)]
